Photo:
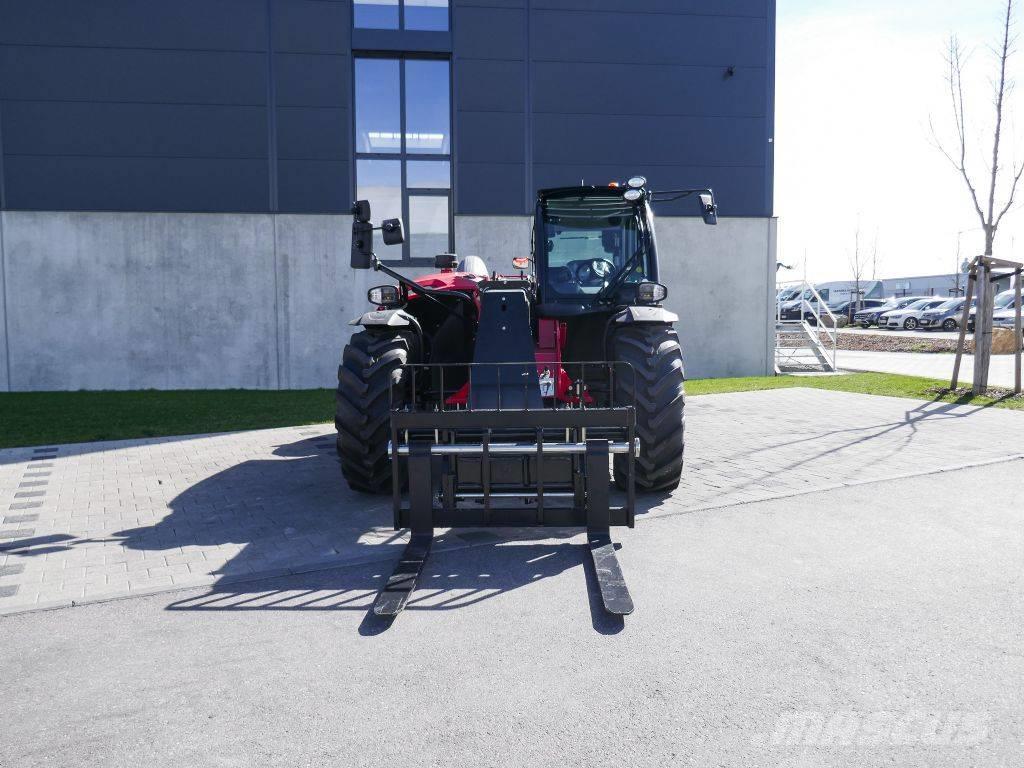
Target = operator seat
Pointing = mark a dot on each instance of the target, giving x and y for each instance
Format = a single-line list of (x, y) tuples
[(473, 265)]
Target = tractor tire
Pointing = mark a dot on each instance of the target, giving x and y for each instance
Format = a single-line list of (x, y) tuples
[(370, 368), (656, 358)]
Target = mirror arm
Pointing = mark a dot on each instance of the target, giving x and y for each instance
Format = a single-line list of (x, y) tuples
[(427, 293), (676, 194)]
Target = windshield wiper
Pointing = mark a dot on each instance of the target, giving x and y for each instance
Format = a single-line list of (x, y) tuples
[(620, 277), (628, 268)]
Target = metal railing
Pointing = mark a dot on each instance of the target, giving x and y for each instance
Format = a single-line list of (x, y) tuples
[(822, 337)]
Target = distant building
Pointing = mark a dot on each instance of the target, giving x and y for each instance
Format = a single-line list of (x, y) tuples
[(929, 285)]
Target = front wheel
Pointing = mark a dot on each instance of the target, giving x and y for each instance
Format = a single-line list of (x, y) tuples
[(949, 325), (656, 377), (369, 377), (909, 324)]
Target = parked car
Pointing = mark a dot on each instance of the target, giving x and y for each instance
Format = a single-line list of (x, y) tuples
[(868, 317), (798, 308), (787, 294), (849, 309), (1004, 300), (945, 316), (791, 310), (909, 318), (1004, 318)]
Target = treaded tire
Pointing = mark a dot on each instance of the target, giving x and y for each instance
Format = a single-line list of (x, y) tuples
[(654, 353), (370, 367)]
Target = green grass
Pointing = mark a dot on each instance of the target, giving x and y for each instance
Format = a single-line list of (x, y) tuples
[(889, 384), (38, 418)]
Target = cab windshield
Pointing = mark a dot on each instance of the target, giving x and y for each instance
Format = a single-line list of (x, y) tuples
[(587, 241)]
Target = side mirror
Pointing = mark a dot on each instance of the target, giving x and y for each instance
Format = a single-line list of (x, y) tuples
[(394, 233), (361, 210), (362, 235), (708, 208), (362, 245)]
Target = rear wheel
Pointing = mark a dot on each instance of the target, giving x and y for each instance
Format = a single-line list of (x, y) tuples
[(371, 365), (654, 353)]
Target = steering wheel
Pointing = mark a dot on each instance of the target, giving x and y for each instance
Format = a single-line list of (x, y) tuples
[(594, 271)]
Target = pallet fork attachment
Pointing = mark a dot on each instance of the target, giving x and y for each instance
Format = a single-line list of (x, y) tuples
[(394, 595), (451, 483)]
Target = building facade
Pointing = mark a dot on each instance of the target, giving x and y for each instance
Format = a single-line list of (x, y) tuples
[(953, 284), (176, 175)]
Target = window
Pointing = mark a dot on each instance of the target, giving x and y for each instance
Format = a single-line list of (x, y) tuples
[(420, 15), (587, 240), (403, 148)]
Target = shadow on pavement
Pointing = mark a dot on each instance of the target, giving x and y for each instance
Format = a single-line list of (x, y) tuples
[(452, 579), (293, 517)]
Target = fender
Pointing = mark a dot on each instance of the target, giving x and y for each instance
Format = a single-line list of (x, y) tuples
[(396, 318), (642, 314)]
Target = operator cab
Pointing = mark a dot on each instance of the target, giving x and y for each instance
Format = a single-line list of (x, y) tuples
[(585, 238)]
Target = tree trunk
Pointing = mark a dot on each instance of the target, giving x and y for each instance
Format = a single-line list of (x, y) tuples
[(983, 329)]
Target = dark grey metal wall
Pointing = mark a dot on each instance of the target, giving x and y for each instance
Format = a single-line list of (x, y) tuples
[(245, 105)]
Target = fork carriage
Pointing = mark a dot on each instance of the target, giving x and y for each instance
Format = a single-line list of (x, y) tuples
[(504, 457)]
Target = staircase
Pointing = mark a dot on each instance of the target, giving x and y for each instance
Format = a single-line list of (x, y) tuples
[(806, 345)]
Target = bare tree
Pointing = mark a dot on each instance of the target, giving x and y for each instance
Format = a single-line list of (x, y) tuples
[(876, 258), (990, 211), (859, 261)]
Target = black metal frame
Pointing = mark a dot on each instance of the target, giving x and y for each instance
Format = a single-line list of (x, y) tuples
[(403, 156), (590, 432)]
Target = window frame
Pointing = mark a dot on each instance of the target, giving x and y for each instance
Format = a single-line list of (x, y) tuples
[(403, 156), (401, 21)]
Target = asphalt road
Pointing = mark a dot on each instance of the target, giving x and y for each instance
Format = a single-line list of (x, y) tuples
[(875, 624)]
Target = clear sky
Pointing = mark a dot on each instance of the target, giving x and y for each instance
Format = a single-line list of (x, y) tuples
[(856, 83)]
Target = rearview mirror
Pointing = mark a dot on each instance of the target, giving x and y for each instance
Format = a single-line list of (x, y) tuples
[(393, 232), (361, 210), (708, 208), (362, 245)]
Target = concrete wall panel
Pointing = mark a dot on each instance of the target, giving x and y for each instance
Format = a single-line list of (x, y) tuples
[(717, 278), (136, 301), (495, 239), (5, 384), (182, 301), (318, 293)]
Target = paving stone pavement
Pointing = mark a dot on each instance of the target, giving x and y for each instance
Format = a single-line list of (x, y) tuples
[(99, 520)]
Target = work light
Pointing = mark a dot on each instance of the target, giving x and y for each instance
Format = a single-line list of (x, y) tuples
[(384, 295), (637, 182), (651, 293), (632, 195)]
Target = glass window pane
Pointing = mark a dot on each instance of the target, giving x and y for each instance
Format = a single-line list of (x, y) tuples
[(378, 113), (380, 182), (426, 14), (428, 174), (428, 226), (376, 14), (427, 107)]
